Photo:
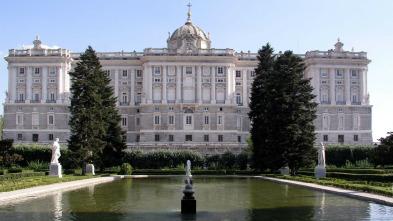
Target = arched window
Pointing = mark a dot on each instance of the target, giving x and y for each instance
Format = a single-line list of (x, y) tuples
[(188, 111)]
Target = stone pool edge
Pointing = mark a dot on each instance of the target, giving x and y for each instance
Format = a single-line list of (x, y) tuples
[(385, 200), (38, 191)]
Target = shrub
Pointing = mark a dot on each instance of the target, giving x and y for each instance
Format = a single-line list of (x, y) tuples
[(227, 160), (242, 160), (1, 172), (364, 177), (126, 169), (14, 170), (69, 171), (213, 161), (38, 165), (340, 155)]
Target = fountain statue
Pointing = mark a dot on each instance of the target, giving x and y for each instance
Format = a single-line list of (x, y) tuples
[(188, 203), (320, 169)]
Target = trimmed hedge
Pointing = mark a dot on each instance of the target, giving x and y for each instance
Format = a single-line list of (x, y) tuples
[(41, 153), (365, 177), (354, 171), (338, 155), (1, 172), (11, 176)]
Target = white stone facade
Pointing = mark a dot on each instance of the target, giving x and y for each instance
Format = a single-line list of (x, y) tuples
[(186, 95)]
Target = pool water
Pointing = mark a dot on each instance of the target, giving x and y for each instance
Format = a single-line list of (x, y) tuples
[(217, 199)]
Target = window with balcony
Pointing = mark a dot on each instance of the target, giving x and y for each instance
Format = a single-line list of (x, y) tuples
[(206, 120), (220, 120), (324, 72), (354, 73), (21, 71), (36, 71), (157, 70), (188, 120), (252, 74), (171, 120), (51, 119), (238, 74), (125, 73), (339, 73)]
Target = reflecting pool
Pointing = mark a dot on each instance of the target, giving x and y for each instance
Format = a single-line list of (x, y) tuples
[(217, 199)]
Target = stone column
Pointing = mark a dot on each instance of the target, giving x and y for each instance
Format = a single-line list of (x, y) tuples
[(213, 84), (178, 84), (347, 86), (117, 84), (230, 97), (245, 91), (150, 85), (164, 75), (199, 84), (28, 84), (363, 86), (44, 84), (12, 72), (145, 83), (132, 94), (332, 89), (317, 83), (59, 83)]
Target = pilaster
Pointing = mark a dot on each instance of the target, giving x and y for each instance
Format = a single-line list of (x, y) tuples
[(117, 83), (245, 91), (164, 75), (213, 84), (132, 95), (28, 83), (44, 85), (199, 84), (332, 87), (347, 86), (178, 84)]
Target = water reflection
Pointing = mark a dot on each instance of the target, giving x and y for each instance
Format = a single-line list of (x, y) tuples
[(58, 210)]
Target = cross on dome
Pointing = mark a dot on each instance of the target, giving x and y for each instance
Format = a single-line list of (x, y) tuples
[(189, 9)]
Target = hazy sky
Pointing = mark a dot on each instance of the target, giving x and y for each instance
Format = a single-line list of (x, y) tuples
[(297, 25)]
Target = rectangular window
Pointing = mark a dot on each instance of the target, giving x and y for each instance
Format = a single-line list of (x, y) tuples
[(355, 137), (239, 122), (170, 138), (21, 71), (188, 137), (252, 74), (157, 79), (238, 98), (52, 71), (354, 73), (206, 109), (137, 121), (325, 138), (239, 139), (206, 120), (21, 97), (339, 73), (171, 120), (124, 121), (324, 72), (156, 120), (238, 74), (220, 80), (50, 137), (325, 121), (37, 71), (52, 97), (108, 73), (220, 138), (20, 137), (170, 108), (220, 70), (138, 138), (156, 137), (19, 119), (188, 120), (341, 138), (35, 138), (238, 83), (157, 70), (125, 73), (139, 73), (124, 138), (51, 120), (356, 121), (188, 70), (206, 138), (219, 120)]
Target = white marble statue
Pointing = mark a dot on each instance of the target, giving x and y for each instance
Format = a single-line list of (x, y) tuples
[(55, 152), (321, 156)]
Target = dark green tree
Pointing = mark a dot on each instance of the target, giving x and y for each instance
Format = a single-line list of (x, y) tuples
[(383, 154), (281, 112), (96, 136)]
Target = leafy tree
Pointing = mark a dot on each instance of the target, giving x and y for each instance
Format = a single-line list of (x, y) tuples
[(383, 153), (7, 158), (95, 131), (281, 112)]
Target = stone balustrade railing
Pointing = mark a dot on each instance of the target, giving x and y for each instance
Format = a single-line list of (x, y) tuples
[(39, 52), (336, 54)]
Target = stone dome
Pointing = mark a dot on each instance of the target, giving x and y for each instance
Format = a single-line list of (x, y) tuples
[(188, 38)]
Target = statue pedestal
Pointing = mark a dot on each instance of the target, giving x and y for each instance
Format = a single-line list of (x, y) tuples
[(285, 171), (90, 169), (320, 171), (55, 170), (188, 206)]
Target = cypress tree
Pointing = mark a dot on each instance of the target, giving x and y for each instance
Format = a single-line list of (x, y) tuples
[(94, 121), (281, 112)]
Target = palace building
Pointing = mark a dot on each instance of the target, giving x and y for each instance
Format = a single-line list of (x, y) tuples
[(187, 95)]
